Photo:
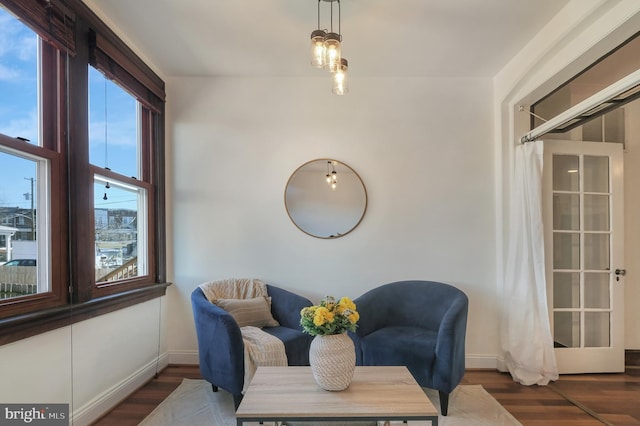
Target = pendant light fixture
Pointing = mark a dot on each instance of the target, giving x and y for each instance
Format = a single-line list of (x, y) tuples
[(340, 81), (317, 44), (332, 51), (332, 175), (317, 47), (326, 50), (332, 42)]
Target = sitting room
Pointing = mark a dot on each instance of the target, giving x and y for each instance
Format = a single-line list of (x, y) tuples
[(150, 147)]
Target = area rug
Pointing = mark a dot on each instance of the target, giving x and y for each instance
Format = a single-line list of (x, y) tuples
[(194, 403)]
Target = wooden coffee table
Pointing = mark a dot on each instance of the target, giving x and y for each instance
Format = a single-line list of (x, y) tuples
[(376, 393)]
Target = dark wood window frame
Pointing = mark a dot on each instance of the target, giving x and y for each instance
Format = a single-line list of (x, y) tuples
[(75, 37)]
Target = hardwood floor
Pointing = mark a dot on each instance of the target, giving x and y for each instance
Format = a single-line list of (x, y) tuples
[(138, 405), (613, 398)]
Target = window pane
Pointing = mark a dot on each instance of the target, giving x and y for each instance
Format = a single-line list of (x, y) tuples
[(592, 130), (596, 174), (120, 240), (566, 251), (596, 252), (113, 129), (21, 239), (596, 212), (596, 290), (566, 290), (596, 329), (566, 329), (614, 127), (566, 175), (566, 212), (18, 79)]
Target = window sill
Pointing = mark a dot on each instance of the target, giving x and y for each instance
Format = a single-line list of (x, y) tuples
[(31, 324)]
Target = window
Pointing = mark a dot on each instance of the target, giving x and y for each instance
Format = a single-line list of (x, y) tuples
[(81, 167), (28, 215), (29, 168), (120, 230), (606, 122), (114, 133), (18, 79), (609, 127), (120, 202), (19, 114)]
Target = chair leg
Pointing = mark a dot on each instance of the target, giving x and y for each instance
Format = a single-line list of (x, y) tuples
[(444, 403), (237, 399), (215, 388)]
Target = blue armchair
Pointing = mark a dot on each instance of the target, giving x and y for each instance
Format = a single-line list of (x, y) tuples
[(220, 345), (419, 324)]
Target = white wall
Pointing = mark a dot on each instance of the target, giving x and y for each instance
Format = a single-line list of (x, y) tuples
[(91, 365), (423, 148), (631, 281)]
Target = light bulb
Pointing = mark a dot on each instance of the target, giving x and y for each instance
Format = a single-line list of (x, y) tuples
[(317, 48), (332, 52), (340, 86)]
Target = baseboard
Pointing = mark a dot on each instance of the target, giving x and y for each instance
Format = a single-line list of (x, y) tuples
[(471, 361), (481, 361), (183, 358), (631, 362), (96, 408), (632, 358)]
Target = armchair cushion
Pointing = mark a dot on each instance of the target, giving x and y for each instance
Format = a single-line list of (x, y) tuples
[(413, 347), (255, 311), (296, 344)]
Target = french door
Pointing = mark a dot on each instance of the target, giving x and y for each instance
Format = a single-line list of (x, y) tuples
[(583, 221)]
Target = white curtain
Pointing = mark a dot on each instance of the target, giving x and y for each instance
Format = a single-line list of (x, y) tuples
[(526, 336)]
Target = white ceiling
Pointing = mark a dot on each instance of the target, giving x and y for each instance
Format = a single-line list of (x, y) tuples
[(470, 38)]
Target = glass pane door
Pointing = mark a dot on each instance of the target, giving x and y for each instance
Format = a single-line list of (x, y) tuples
[(584, 243), (581, 251)]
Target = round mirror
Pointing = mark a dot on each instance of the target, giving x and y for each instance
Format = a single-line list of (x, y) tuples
[(325, 198)]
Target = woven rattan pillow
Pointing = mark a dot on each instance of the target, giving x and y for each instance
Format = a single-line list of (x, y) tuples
[(255, 312)]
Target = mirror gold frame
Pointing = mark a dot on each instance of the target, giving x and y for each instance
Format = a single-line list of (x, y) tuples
[(325, 198)]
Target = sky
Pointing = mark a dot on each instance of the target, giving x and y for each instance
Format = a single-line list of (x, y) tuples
[(112, 118)]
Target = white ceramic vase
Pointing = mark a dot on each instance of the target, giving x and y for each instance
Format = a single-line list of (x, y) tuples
[(333, 360)]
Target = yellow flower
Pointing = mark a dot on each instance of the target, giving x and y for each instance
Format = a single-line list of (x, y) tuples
[(329, 317), (344, 304), (322, 316)]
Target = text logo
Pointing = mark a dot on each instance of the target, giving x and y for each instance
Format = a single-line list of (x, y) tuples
[(34, 414)]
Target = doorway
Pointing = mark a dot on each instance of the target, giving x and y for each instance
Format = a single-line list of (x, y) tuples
[(619, 126)]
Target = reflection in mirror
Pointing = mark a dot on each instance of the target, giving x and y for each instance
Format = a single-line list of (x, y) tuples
[(325, 198)]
